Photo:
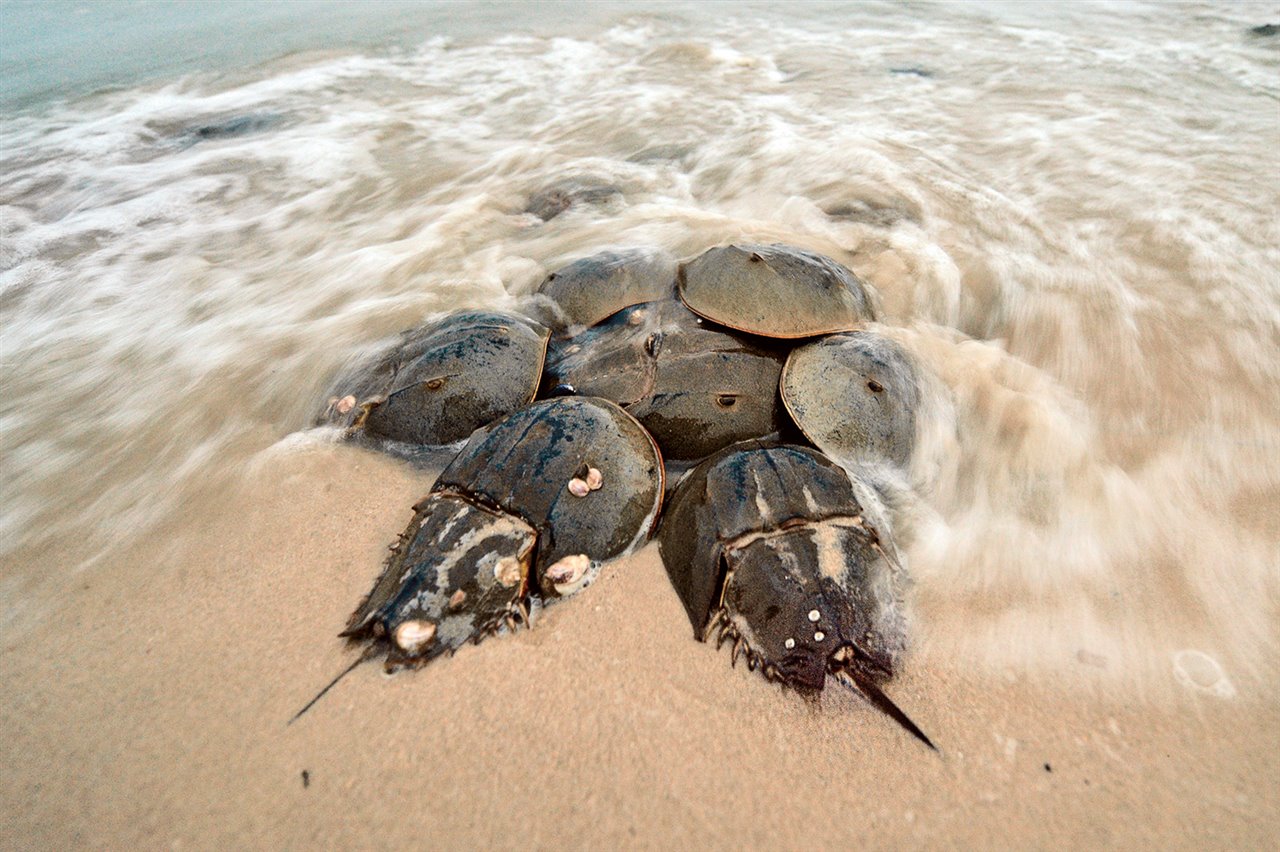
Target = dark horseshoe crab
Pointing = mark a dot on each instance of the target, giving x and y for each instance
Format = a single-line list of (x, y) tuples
[(592, 289), (855, 396), (769, 548), (695, 386), (442, 380), (743, 287), (528, 510), (530, 507)]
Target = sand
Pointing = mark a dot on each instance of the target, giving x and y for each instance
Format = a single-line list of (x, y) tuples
[(150, 706)]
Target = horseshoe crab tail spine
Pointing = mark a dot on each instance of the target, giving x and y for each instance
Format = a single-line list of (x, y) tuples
[(368, 654), (873, 693)]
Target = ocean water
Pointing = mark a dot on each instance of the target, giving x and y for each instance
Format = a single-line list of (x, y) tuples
[(1069, 213)]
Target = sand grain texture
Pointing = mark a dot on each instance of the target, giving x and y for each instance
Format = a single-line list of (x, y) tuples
[(150, 711)]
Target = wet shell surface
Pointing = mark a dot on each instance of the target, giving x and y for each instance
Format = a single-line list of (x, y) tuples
[(501, 525), (525, 463), (855, 396), (769, 546), (595, 288), (444, 379), (696, 386), (775, 291), (458, 572)]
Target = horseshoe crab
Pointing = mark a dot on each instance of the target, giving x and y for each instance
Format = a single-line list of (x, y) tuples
[(855, 396), (696, 387), (774, 291), (592, 289), (443, 379), (768, 547), (771, 544), (530, 508)]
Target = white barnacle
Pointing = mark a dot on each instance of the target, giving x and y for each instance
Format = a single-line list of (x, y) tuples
[(507, 571), (595, 478), (789, 644), (579, 487), (814, 615), (414, 635), (568, 573), (819, 636)]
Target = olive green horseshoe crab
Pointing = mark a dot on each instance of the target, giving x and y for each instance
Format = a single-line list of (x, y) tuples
[(741, 383)]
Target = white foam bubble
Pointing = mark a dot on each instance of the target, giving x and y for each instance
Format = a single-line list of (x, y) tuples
[(1198, 671)]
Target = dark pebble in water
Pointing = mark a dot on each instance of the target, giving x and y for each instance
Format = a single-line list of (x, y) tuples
[(873, 213), (554, 199), (306, 778), (911, 71), (230, 128), (1265, 30), (661, 153)]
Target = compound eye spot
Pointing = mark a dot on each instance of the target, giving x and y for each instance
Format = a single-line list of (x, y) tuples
[(727, 400), (874, 386), (435, 384)]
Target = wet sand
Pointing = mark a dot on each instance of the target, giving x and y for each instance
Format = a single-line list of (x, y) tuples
[(149, 707)]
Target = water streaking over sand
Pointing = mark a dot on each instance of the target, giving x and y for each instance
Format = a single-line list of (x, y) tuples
[(1071, 220)]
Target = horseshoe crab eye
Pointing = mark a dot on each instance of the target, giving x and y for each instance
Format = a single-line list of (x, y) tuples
[(727, 400), (874, 386), (435, 384)]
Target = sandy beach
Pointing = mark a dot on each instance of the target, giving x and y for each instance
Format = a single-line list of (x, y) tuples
[(1068, 216), (151, 712)]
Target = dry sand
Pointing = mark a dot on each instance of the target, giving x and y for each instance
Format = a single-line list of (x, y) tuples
[(149, 710)]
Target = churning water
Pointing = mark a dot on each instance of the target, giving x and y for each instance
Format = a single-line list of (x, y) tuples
[(1069, 213)]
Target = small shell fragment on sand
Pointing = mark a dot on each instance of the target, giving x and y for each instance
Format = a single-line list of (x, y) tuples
[(458, 599), (345, 404), (414, 635), (595, 479), (579, 487)]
